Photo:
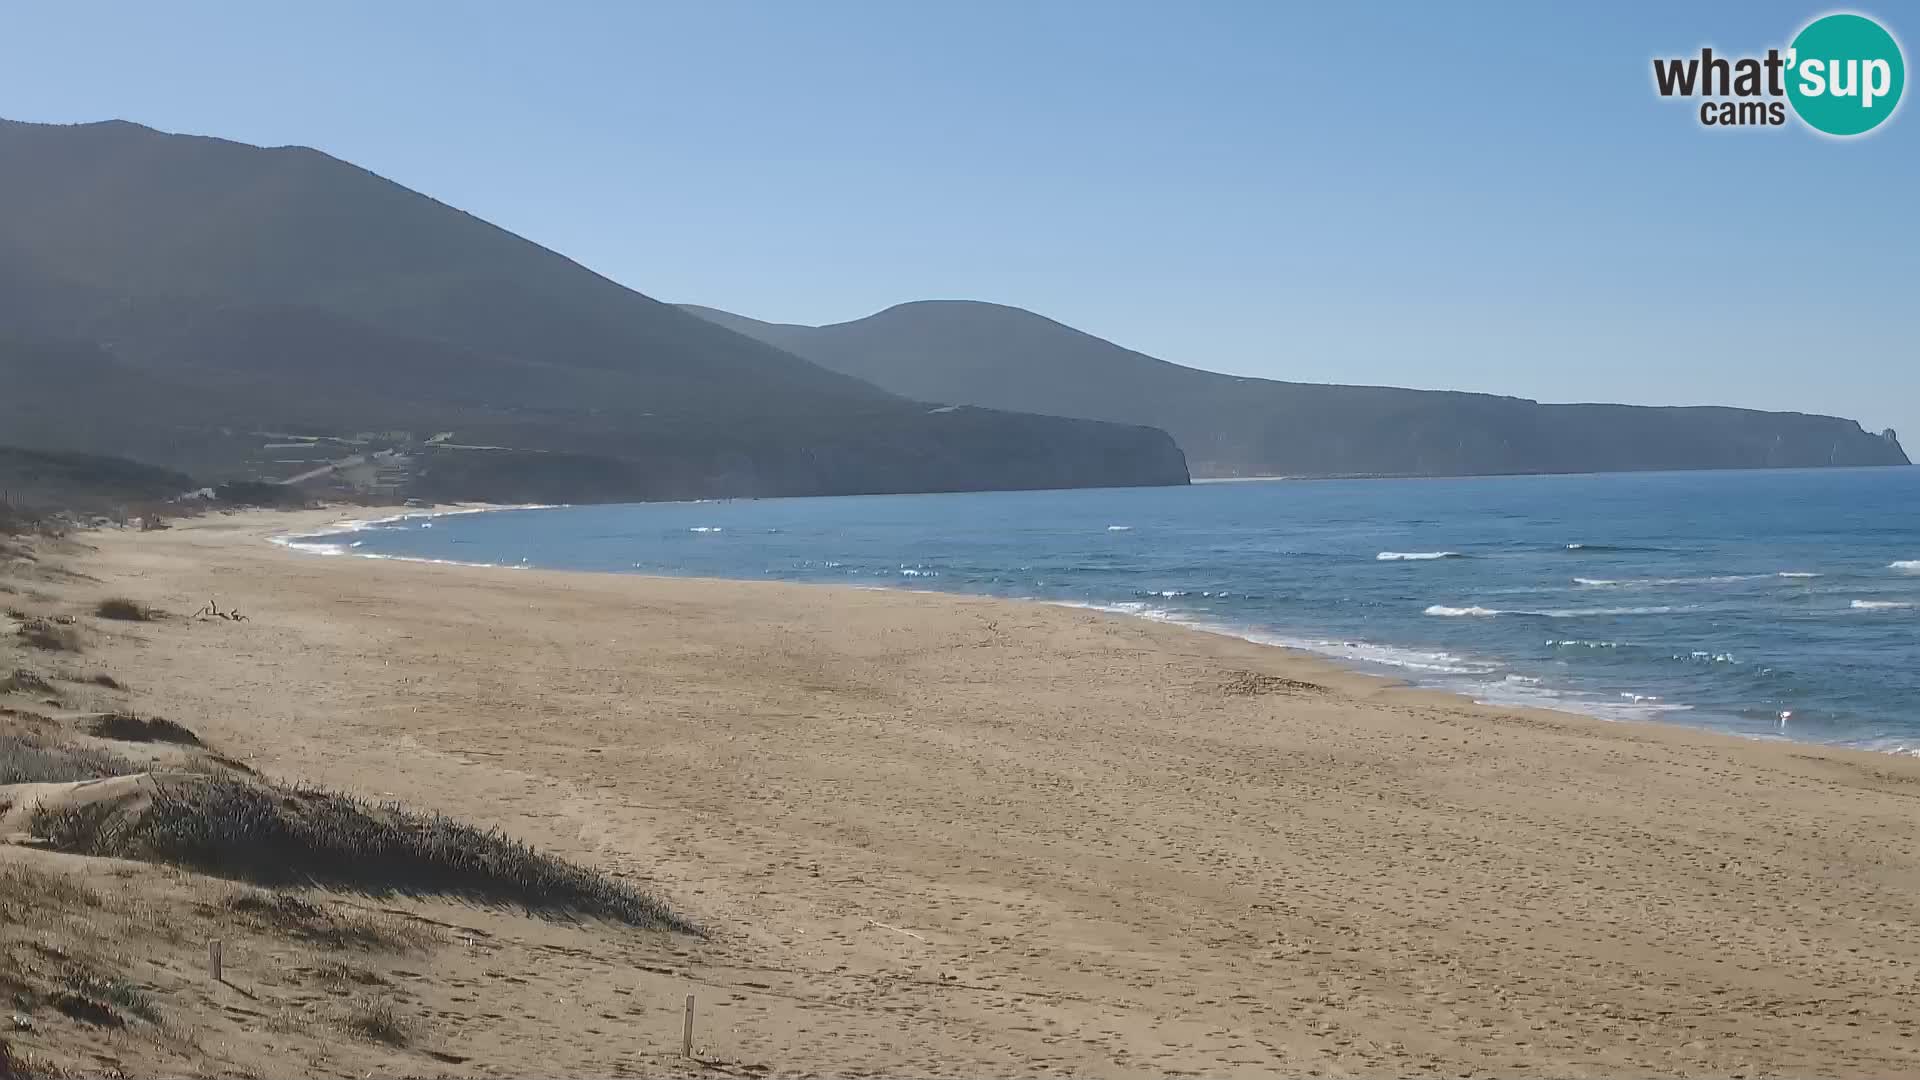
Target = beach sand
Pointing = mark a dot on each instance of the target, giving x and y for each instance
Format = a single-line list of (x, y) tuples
[(937, 835)]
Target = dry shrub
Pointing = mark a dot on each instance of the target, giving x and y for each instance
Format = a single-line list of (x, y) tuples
[(25, 759), (126, 727), (102, 999), (340, 973), (49, 635), (308, 921), (27, 889), (377, 1019), (274, 835), (15, 1067), (23, 681), (123, 609)]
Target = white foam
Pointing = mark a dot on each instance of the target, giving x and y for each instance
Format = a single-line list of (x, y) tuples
[(1881, 605), (1144, 611), (1119, 528), (1553, 613), (1714, 579), (1363, 652), (1905, 566), (521, 565), (1576, 613), (1509, 690), (1526, 695), (1798, 574), (305, 539), (706, 529), (309, 546), (1416, 556)]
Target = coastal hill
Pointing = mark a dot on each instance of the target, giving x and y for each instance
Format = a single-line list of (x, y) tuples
[(1002, 357), (232, 310)]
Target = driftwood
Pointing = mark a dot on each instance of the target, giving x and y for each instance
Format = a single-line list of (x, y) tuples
[(212, 611)]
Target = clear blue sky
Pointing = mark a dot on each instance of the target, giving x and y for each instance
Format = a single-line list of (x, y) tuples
[(1487, 198)]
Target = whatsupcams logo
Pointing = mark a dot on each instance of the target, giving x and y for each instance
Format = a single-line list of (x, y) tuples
[(1841, 75)]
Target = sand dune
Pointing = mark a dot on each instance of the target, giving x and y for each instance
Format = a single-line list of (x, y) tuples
[(952, 836)]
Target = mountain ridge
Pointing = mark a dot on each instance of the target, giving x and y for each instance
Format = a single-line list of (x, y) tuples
[(981, 353), (214, 287)]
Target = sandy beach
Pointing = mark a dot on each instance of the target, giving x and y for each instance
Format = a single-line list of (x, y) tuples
[(936, 835)]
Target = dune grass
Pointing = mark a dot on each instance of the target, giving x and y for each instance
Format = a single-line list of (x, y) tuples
[(25, 759), (126, 727), (24, 887), (377, 1019), (123, 609), (16, 1067), (294, 917), (23, 681), (95, 992), (274, 835), (49, 635)]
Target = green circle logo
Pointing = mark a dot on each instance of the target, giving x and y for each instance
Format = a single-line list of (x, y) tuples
[(1845, 74)]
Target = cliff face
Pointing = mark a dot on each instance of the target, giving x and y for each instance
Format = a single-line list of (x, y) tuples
[(161, 296), (986, 354)]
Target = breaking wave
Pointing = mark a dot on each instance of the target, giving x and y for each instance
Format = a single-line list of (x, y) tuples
[(1555, 613), (1455, 612), (1715, 579)]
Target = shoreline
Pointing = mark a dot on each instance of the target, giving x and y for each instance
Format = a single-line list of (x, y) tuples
[(945, 834), (1391, 671), (1321, 664)]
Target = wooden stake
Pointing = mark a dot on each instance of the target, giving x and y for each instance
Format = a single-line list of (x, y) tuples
[(686, 1032), (213, 959)]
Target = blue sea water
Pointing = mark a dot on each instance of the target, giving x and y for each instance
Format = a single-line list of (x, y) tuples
[(1721, 599)]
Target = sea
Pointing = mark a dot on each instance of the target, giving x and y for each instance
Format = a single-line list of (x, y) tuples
[(1777, 604)]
